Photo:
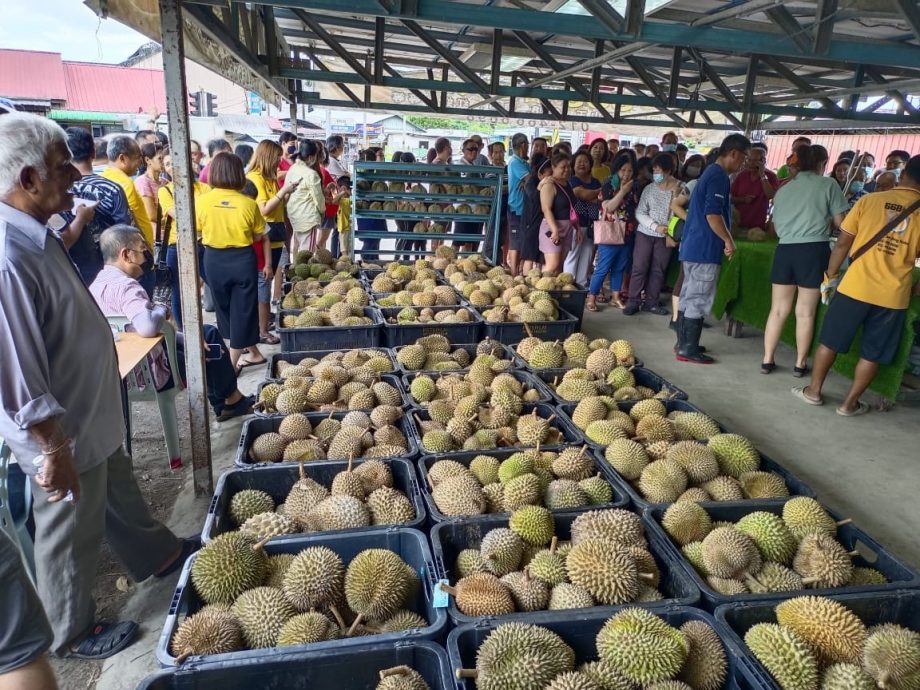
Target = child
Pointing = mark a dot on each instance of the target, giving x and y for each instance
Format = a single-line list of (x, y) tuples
[(343, 221)]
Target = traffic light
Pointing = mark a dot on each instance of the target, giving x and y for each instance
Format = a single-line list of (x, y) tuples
[(194, 104), (210, 105)]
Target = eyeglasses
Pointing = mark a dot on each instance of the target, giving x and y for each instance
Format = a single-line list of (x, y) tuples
[(471, 149)]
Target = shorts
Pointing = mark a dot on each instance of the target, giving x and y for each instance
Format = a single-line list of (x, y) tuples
[(515, 236), (546, 244), (329, 222), (265, 286), (882, 328), (802, 265), (25, 634)]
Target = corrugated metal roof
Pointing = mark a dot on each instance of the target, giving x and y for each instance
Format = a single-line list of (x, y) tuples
[(254, 125), (113, 89), (30, 74)]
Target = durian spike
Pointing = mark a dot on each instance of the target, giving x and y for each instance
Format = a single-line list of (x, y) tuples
[(258, 546), (338, 617), (395, 671), (354, 626), (553, 544), (462, 673)]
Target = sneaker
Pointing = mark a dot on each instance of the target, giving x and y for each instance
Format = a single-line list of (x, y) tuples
[(631, 309), (657, 309)]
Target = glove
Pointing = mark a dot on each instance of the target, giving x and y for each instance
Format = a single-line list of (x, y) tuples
[(829, 288)]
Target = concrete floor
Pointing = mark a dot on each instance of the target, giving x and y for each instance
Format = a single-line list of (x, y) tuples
[(864, 468)]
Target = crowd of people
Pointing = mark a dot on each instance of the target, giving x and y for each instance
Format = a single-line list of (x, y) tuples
[(81, 220)]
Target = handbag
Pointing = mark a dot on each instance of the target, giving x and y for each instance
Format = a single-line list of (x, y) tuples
[(609, 229), (676, 228), (163, 287)]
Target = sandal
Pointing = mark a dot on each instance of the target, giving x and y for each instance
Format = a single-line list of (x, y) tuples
[(268, 339), (105, 640), (800, 394), (591, 304), (767, 367), (602, 297), (861, 409), (247, 363), (799, 372)]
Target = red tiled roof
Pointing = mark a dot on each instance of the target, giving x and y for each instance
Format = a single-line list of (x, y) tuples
[(113, 89), (30, 74)]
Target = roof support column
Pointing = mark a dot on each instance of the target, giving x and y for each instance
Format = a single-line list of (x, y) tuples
[(187, 240)]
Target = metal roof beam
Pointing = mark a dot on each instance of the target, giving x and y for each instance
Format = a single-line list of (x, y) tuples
[(352, 96), (824, 25), (635, 15), (431, 101), (735, 10), (894, 93), (676, 62), (799, 83), (713, 76), (795, 44), (331, 41), (911, 12), (451, 59)]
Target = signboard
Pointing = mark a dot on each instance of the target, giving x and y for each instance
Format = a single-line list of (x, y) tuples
[(341, 128), (372, 130), (254, 103)]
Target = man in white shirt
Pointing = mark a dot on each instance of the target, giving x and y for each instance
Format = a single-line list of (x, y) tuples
[(335, 145)]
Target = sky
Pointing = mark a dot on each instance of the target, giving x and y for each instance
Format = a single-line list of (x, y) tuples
[(67, 27)]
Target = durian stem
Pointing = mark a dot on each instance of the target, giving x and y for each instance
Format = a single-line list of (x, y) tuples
[(447, 588), (884, 680), (647, 576), (553, 544), (551, 418), (258, 546), (182, 657), (848, 521), (351, 459), (527, 330), (338, 618), (395, 671), (467, 673), (302, 473), (430, 483), (584, 449), (853, 554), (354, 626), (809, 580)]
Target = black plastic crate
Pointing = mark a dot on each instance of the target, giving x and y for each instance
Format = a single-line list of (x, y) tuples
[(795, 485), (505, 353), (449, 538), (338, 337), (620, 499), (644, 377), (529, 381), (511, 332), (570, 435), (393, 379), (277, 481), (734, 620), (354, 668), (261, 425), (395, 335), (411, 545), (294, 357), (872, 555), (579, 629), (573, 301)]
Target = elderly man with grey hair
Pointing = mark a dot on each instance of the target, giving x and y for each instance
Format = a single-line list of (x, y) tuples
[(60, 401)]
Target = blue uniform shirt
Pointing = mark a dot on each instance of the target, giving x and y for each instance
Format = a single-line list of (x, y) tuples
[(712, 196)]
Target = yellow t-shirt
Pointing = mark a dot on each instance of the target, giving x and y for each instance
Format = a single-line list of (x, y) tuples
[(228, 219), (601, 173), (267, 189), (135, 203), (883, 276), (168, 202), (343, 220)]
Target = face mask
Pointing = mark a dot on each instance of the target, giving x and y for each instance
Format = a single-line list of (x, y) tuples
[(658, 177), (896, 172), (869, 170), (291, 150), (693, 171), (148, 262), (669, 147), (856, 186)]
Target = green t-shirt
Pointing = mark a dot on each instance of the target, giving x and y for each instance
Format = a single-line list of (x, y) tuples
[(802, 208)]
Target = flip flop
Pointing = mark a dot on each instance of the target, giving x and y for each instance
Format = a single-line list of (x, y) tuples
[(861, 409), (800, 394), (591, 305), (105, 640), (268, 340), (244, 365)]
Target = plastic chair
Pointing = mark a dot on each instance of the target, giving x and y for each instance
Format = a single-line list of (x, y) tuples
[(11, 476), (147, 391)]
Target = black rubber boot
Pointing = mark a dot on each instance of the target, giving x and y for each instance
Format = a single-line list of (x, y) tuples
[(689, 348), (677, 327)]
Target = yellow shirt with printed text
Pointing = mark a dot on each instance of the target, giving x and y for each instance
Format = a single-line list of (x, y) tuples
[(228, 219), (343, 220), (168, 202), (883, 276), (135, 203)]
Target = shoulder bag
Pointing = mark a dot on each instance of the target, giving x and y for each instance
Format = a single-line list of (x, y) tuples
[(573, 214), (162, 291)]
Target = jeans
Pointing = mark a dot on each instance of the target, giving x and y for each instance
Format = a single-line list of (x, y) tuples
[(172, 261), (369, 249), (650, 263), (334, 243), (220, 373), (611, 259)]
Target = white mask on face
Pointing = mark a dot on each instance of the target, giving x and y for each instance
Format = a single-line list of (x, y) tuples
[(668, 148)]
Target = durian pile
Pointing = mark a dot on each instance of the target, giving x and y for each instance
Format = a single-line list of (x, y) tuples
[(313, 293), (332, 388), (256, 601), (486, 484), (483, 379), (357, 497), (361, 364), (436, 353), (635, 649), (662, 455), (539, 280), (820, 644), (321, 265), (764, 552), (356, 435), (340, 313), (430, 296), (524, 567), (395, 277), (469, 425), (411, 315), (577, 351), (576, 385)]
